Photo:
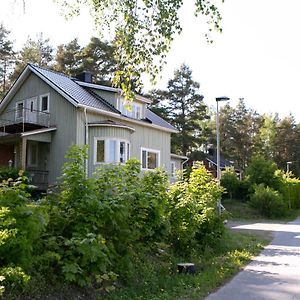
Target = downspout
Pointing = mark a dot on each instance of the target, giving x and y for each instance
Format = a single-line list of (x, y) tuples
[(183, 164), (86, 141)]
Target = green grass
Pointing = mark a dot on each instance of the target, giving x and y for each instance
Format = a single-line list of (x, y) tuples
[(240, 210), (156, 277), (214, 268)]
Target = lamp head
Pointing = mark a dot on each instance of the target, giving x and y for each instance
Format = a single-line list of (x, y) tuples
[(224, 98)]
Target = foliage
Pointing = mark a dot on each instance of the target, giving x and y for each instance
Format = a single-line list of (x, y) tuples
[(230, 182), (239, 127), (262, 171), (21, 224), (37, 51), (6, 173), (193, 215), (14, 278), (142, 32), (268, 202), (183, 106), (6, 59), (68, 58), (99, 224), (291, 191)]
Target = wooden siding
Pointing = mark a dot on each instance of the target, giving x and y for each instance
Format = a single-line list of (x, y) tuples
[(62, 115), (110, 97), (104, 132), (143, 137)]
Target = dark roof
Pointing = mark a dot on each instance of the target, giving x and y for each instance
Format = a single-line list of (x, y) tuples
[(223, 162), (155, 119), (68, 86), (81, 94)]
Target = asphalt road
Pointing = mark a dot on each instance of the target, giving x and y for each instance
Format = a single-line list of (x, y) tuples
[(275, 273)]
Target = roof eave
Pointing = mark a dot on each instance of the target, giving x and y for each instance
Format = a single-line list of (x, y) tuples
[(120, 117)]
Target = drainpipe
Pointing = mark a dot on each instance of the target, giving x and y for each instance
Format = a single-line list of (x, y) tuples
[(86, 141), (183, 163)]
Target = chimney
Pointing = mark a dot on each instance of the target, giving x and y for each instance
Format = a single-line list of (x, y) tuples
[(85, 76)]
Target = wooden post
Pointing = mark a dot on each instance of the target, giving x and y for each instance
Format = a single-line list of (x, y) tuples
[(23, 153)]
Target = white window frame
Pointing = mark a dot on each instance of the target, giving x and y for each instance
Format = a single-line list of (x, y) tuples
[(133, 112), (29, 154), (153, 151), (16, 114), (48, 102), (106, 150)]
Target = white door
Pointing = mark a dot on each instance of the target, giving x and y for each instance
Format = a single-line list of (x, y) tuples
[(31, 110)]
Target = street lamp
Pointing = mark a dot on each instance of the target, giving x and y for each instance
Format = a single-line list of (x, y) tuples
[(218, 99), (288, 163), (218, 136)]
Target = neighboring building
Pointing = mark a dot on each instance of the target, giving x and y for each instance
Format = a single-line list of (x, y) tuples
[(45, 112), (210, 163)]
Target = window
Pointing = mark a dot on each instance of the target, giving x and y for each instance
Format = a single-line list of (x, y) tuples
[(150, 159), (44, 103), (173, 169), (19, 109), (111, 151), (100, 151), (132, 110), (32, 155)]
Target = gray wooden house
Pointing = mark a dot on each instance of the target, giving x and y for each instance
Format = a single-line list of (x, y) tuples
[(45, 112)]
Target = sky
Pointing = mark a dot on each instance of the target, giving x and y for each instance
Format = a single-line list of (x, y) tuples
[(257, 57)]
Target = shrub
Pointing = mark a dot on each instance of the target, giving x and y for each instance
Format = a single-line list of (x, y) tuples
[(268, 202), (230, 182), (262, 171), (99, 224), (291, 191), (193, 214), (21, 224), (6, 173)]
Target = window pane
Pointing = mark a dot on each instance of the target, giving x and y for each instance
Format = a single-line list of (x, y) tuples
[(20, 107), (172, 169), (33, 154), (45, 103), (152, 160), (100, 151), (144, 159), (112, 153), (128, 151), (122, 152)]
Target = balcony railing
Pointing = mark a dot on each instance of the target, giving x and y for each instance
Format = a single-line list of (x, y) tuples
[(38, 178), (23, 117)]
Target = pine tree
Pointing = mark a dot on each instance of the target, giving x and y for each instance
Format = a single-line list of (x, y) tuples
[(38, 52), (68, 58), (184, 108), (6, 59)]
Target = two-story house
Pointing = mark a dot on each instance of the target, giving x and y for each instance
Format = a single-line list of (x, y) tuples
[(45, 112)]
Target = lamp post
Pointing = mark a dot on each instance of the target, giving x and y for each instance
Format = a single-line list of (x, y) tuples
[(218, 99), (288, 163)]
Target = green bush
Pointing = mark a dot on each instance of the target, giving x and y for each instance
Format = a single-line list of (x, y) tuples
[(268, 202), (13, 278), (6, 173), (230, 182), (193, 215), (262, 171), (21, 224), (291, 191), (99, 224)]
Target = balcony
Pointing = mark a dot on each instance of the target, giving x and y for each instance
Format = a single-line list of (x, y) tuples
[(22, 120)]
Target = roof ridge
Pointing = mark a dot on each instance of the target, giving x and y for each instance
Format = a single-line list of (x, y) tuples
[(50, 70)]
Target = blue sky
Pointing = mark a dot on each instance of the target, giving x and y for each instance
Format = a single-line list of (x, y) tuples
[(256, 57)]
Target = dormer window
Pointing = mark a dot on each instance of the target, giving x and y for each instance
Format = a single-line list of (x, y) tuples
[(132, 110)]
